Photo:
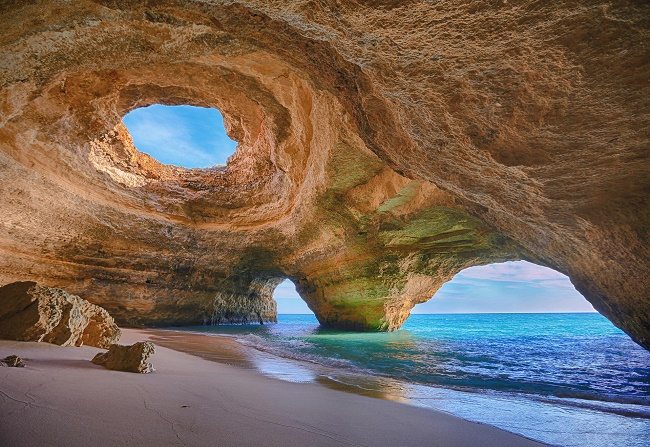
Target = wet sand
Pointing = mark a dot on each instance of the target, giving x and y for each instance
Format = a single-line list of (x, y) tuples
[(212, 398), (223, 349)]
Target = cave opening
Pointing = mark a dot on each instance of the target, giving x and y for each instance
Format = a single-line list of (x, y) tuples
[(506, 287), (181, 135), (289, 301)]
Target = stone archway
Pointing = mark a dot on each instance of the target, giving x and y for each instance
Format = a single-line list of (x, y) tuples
[(373, 161)]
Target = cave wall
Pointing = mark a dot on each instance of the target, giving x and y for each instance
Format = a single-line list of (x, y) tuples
[(383, 147)]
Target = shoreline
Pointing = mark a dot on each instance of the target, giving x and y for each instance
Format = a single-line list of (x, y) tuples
[(228, 350), (554, 420), (61, 398), (231, 350)]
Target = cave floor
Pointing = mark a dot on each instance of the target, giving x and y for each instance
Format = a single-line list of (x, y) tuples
[(62, 399)]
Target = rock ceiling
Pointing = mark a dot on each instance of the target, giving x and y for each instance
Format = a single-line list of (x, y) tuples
[(383, 147)]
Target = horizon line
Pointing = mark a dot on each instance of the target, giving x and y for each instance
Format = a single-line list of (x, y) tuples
[(474, 313)]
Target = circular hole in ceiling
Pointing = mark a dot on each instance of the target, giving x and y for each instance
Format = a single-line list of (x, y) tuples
[(185, 136)]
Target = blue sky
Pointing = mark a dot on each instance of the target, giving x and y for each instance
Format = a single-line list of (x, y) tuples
[(194, 137), (187, 136), (517, 286), (289, 302)]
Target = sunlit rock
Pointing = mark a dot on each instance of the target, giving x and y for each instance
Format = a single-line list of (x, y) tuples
[(31, 312), (133, 358)]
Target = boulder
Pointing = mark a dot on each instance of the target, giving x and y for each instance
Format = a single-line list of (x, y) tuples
[(31, 312), (12, 361), (132, 358)]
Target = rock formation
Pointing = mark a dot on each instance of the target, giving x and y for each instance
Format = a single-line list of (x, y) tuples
[(30, 312), (383, 147), (132, 358), (13, 361)]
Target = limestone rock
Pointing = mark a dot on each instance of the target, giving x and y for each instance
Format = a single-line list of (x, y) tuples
[(132, 358), (383, 146), (13, 361), (31, 312)]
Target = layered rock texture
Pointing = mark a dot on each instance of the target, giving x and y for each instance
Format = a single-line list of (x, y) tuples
[(383, 147), (30, 312), (133, 358)]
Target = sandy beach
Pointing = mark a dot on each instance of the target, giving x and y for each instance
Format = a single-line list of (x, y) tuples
[(62, 399)]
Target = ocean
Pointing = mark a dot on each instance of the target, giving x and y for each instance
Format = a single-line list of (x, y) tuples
[(565, 379)]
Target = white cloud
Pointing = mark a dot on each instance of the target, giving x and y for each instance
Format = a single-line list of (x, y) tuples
[(516, 271), (286, 289)]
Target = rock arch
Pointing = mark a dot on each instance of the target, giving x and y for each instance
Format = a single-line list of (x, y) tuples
[(383, 147)]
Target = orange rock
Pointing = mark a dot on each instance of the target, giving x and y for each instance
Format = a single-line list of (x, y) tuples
[(131, 358), (30, 312), (383, 146)]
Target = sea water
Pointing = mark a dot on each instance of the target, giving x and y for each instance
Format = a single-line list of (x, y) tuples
[(565, 379)]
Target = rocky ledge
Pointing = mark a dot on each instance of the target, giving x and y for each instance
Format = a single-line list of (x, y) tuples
[(383, 147)]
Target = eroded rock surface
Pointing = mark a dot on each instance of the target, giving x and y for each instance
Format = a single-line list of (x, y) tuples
[(133, 358), (383, 147), (31, 312)]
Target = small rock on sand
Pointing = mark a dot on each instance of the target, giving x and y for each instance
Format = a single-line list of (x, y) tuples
[(13, 361), (127, 358)]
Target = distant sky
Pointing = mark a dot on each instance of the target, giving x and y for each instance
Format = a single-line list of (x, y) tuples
[(187, 136), (289, 302), (506, 287)]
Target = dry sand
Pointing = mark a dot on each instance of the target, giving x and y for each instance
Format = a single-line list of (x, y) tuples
[(62, 399)]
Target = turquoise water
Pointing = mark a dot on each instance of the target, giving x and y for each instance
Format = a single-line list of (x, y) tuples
[(566, 379)]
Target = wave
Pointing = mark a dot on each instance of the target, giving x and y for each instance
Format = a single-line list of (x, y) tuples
[(261, 344), (629, 406), (556, 386)]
